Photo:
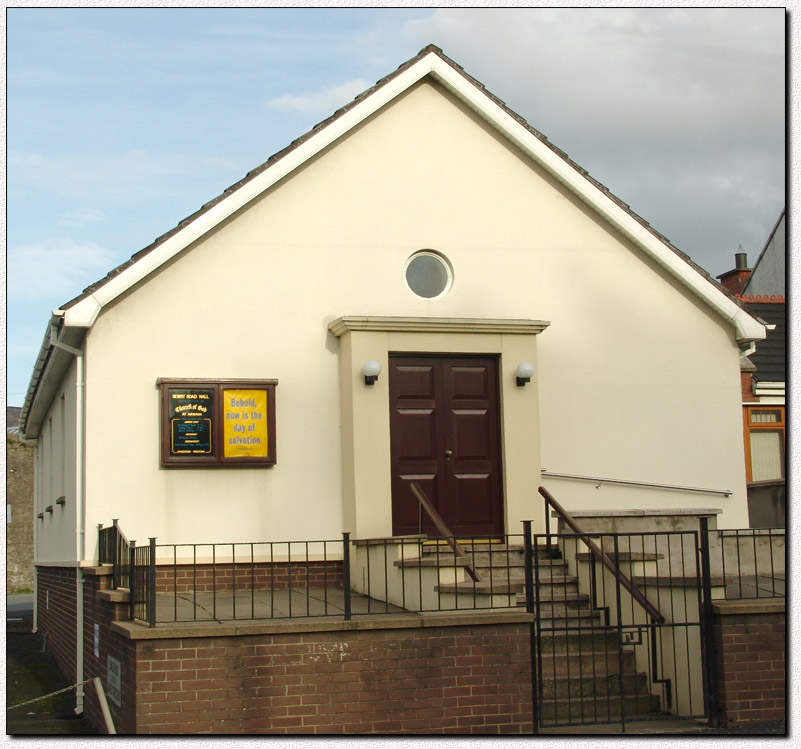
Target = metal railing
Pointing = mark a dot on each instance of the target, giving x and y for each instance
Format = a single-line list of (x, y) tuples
[(143, 582), (220, 582), (750, 563), (346, 578), (114, 549), (601, 656), (445, 532)]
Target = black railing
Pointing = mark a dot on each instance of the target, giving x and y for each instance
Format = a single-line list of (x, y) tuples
[(329, 578), (601, 656), (597, 552), (750, 563), (143, 582), (114, 549), (347, 578)]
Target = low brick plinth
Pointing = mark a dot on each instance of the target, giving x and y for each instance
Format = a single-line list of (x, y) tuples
[(396, 674), (750, 659)]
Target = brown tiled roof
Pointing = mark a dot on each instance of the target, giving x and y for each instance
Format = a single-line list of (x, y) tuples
[(325, 123)]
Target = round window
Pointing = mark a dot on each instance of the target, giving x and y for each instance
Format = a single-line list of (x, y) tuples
[(428, 274)]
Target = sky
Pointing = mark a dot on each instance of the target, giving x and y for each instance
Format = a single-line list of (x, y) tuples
[(121, 122)]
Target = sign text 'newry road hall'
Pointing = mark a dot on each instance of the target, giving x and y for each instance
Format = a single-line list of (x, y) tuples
[(217, 422)]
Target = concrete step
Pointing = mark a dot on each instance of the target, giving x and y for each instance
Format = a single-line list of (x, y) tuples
[(598, 686), (597, 639), (555, 594), (599, 710)]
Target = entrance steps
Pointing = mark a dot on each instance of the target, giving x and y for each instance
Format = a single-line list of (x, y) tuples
[(583, 676)]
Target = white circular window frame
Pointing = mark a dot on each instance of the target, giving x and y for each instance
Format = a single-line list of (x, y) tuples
[(448, 271)]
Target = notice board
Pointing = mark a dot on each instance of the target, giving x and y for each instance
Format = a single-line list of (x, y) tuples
[(217, 423)]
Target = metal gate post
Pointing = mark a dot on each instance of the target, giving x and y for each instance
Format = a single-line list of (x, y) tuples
[(532, 627), (707, 640), (618, 617), (132, 579), (346, 572), (151, 585)]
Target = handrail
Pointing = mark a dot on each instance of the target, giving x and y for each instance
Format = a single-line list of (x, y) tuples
[(599, 554), (444, 530), (626, 482)]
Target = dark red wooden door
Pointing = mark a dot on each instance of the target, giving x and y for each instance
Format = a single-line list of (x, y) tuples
[(444, 434)]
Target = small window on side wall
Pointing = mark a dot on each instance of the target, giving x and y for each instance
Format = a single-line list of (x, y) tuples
[(217, 423)]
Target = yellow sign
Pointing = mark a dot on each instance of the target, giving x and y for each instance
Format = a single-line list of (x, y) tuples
[(245, 423)]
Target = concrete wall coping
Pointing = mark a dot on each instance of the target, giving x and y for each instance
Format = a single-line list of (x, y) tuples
[(749, 606), (99, 570), (690, 511), (138, 631)]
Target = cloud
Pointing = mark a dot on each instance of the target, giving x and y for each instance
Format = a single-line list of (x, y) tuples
[(321, 102), (116, 175), (680, 112), (55, 269), (81, 216)]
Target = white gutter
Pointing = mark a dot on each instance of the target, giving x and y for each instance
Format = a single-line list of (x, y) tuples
[(80, 523)]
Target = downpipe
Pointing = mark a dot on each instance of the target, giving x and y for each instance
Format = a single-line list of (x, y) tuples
[(80, 509)]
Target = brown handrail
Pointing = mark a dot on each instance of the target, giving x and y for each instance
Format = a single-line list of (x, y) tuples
[(444, 530), (599, 554)]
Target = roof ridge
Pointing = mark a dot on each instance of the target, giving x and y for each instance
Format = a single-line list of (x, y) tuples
[(761, 298), (293, 145)]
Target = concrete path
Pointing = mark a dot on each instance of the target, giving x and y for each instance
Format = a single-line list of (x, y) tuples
[(264, 604)]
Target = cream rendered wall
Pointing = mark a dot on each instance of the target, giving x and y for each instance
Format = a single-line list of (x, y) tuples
[(55, 469), (635, 379), (366, 460)]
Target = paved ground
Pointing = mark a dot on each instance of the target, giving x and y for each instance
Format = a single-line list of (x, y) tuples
[(263, 604), (32, 673)]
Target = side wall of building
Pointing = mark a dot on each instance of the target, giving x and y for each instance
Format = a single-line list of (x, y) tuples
[(55, 490)]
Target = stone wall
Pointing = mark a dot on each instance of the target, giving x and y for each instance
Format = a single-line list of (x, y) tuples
[(19, 511)]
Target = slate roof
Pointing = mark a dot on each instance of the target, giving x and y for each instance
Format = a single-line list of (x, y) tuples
[(771, 354)]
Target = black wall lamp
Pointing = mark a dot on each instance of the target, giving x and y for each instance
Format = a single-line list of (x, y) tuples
[(524, 373), (371, 371)]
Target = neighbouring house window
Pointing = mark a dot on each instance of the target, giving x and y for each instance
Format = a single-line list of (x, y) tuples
[(764, 442), (428, 274), (217, 423)]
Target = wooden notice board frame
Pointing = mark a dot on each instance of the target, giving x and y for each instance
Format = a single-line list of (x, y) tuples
[(217, 423)]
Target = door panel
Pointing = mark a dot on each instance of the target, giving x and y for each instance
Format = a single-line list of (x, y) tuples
[(445, 435)]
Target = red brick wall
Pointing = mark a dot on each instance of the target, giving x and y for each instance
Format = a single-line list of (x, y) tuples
[(750, 650), (97, 611), (262, 576), (56, 615), (376, 676), (424, 680)]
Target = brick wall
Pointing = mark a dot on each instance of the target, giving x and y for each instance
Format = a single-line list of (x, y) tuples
[(261, 576), (382, 675), (56, 615), (423, 680), (750, 650), (19, 499), (102, 607)]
